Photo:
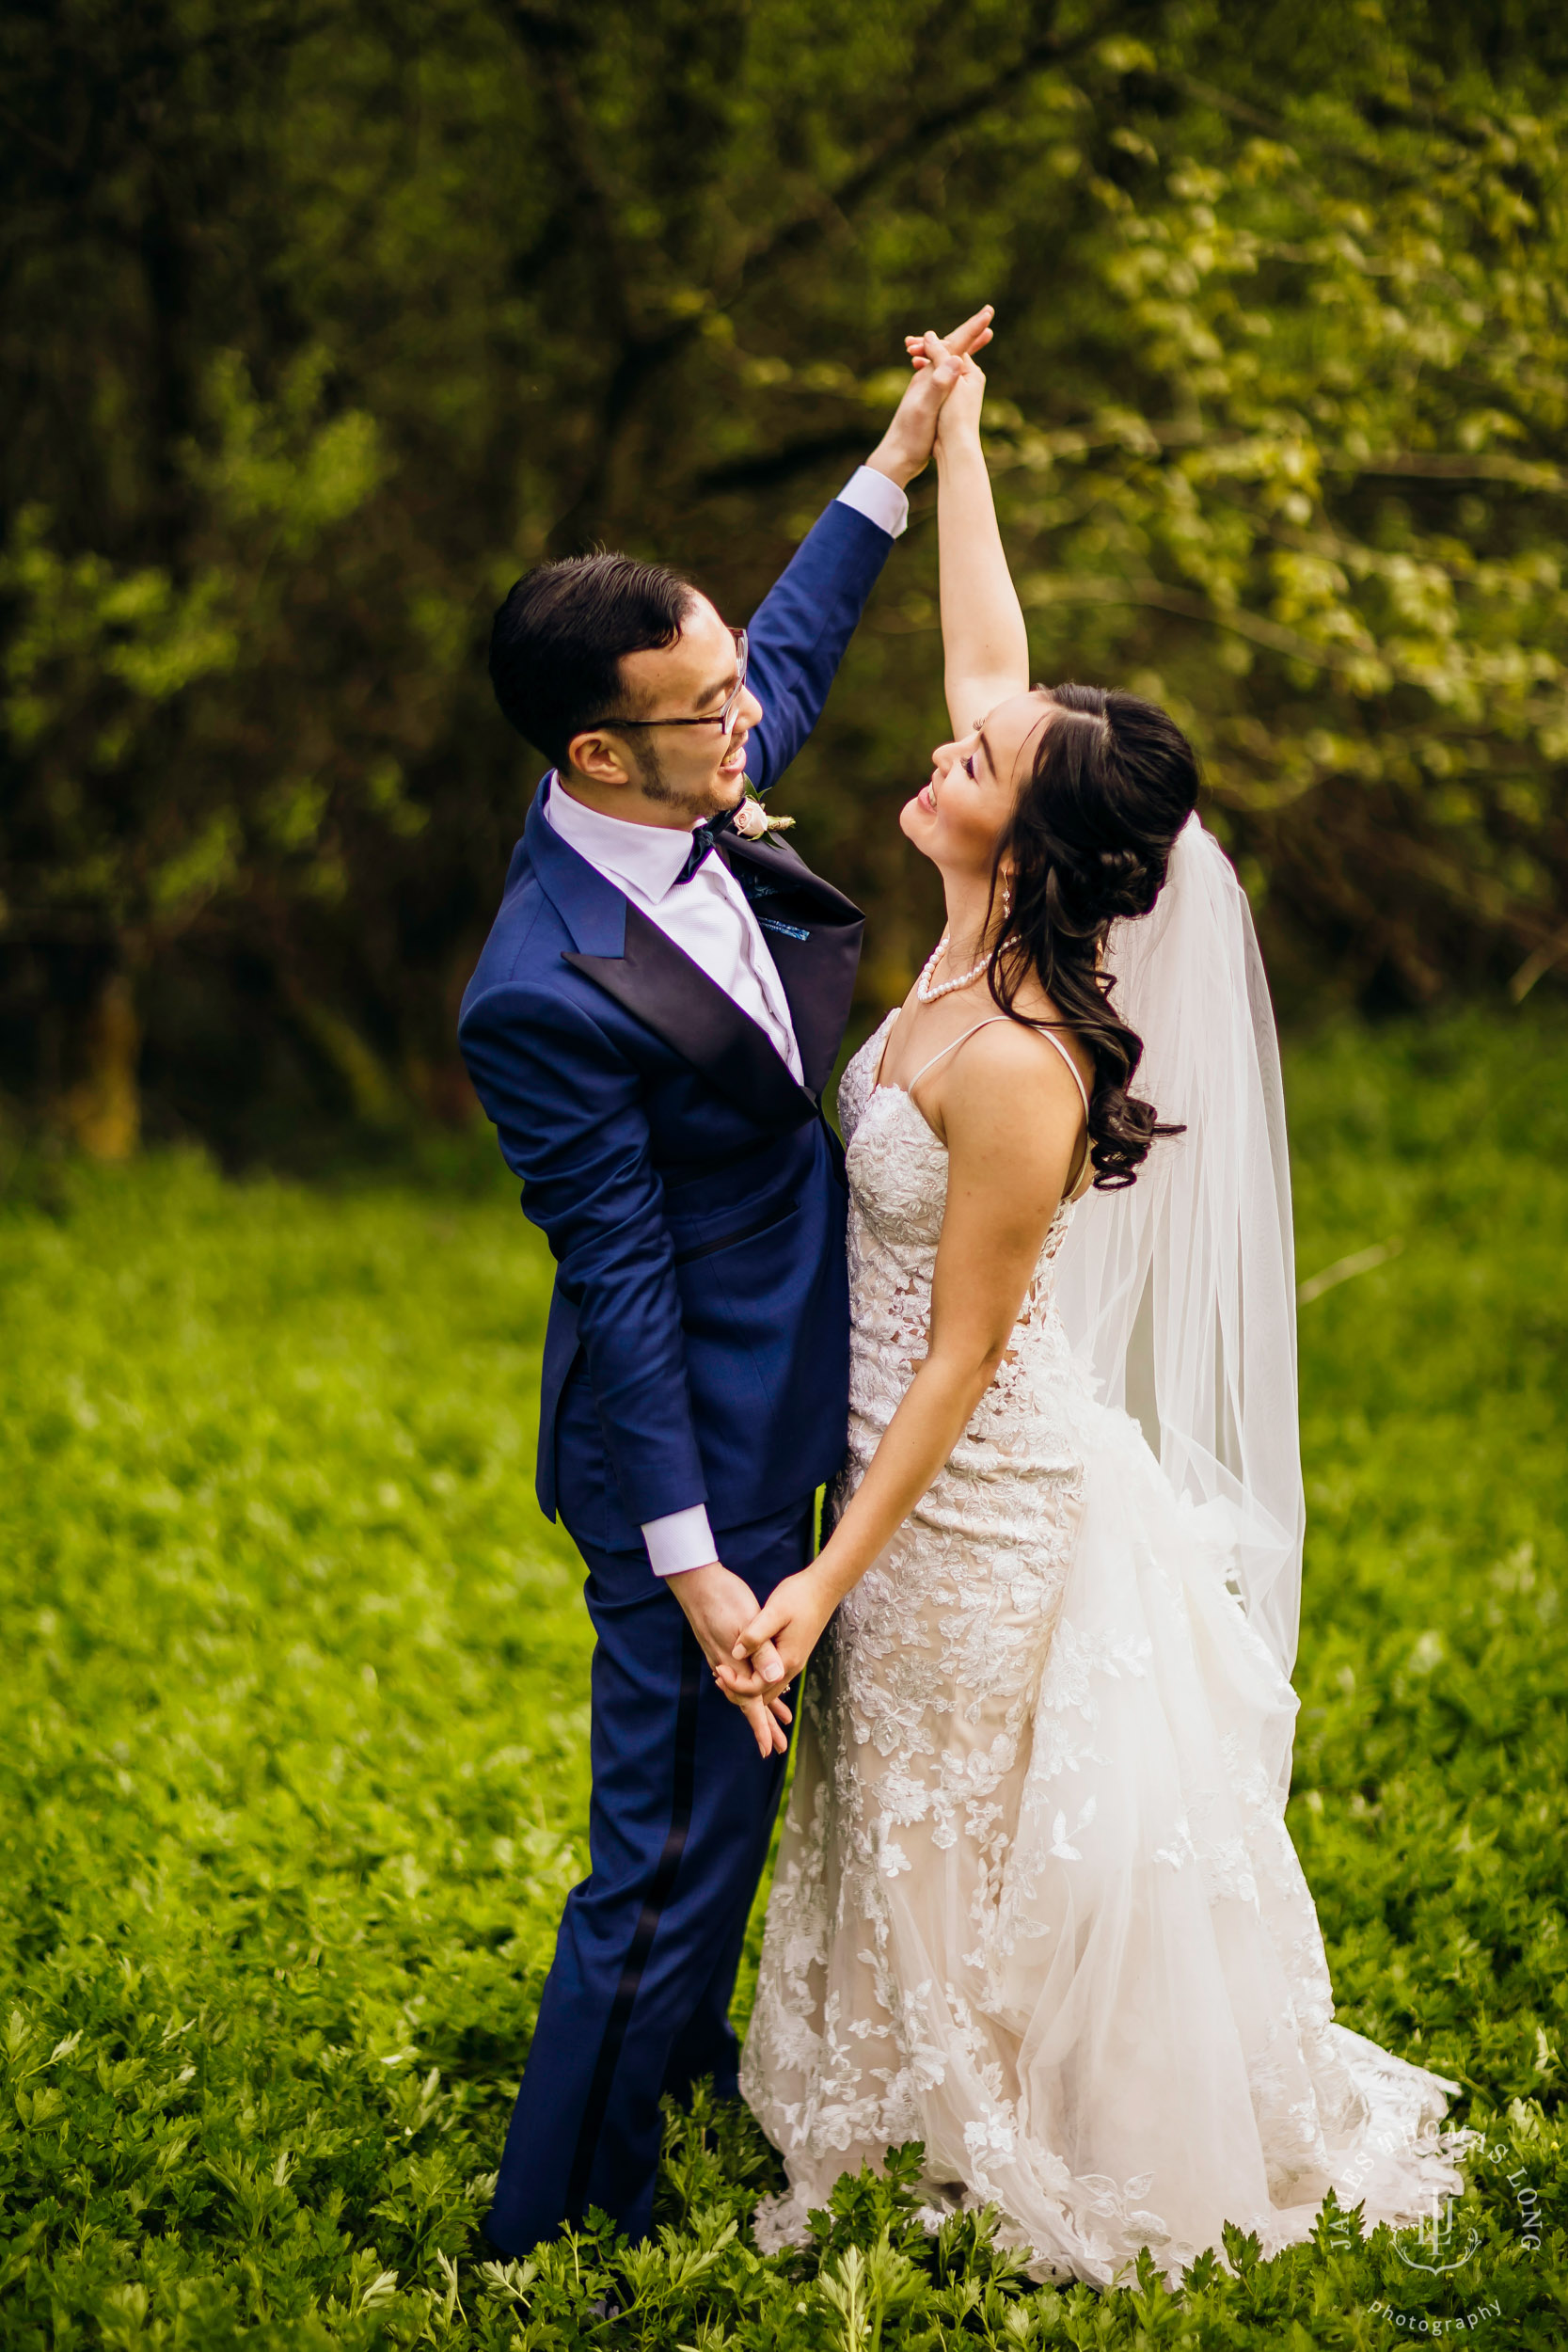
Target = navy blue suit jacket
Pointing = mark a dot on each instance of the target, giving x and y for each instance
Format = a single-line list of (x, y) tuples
[(690, 1188)]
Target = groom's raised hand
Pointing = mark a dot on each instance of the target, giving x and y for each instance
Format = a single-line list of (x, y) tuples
[(718, 1604), (905, 447)]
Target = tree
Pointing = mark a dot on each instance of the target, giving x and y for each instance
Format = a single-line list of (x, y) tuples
[(321, 324)]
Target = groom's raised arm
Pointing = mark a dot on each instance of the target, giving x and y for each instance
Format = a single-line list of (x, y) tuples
[(799, 631), (798, 634)]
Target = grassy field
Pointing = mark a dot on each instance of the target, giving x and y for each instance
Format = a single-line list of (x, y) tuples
[(293, 1762)]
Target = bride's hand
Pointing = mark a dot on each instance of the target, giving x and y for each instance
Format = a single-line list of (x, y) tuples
[(792, 1620), (963, 342), (960, 410)]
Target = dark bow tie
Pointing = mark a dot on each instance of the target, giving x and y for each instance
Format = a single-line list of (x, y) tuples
[(703, 837)]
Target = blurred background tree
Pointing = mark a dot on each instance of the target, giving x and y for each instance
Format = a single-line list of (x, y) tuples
[(319, 323)]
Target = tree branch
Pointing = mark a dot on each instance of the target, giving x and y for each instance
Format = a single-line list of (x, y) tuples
[(900, 143), (768, 468), (1158, 596), (550, 43), (644, 351), (1417, 465)]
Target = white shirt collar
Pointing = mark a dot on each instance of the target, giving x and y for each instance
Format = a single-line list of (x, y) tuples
[(647, 856)]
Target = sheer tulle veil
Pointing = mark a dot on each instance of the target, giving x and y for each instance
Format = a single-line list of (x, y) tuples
[(1178, 1292)]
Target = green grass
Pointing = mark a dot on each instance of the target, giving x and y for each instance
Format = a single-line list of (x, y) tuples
[(293, 1753)]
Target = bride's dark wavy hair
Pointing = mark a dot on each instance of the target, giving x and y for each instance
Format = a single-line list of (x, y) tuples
[(1113, 782)]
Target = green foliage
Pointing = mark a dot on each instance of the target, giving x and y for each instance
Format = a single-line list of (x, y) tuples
[(1340, 479), (320, 322), (293, 1776), (99, 657)]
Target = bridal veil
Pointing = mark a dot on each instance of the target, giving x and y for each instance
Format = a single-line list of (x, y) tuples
[(1178, 1292)]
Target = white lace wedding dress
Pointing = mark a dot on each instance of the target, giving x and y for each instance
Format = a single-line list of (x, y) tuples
[(1036, 1904)]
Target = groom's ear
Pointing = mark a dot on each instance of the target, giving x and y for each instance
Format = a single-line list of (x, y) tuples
[(600, 757)]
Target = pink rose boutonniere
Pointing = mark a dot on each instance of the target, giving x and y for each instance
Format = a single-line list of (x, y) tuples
[(753, 821)]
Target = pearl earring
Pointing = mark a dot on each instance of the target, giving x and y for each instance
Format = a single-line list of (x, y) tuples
[(1006, 900)]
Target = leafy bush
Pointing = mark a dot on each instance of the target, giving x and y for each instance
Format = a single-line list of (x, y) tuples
[(293, 1746)]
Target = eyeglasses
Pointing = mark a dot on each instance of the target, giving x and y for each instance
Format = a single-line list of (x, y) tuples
[(722, 719)]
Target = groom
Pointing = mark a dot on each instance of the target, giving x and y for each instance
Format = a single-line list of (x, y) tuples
[(650, 1027)]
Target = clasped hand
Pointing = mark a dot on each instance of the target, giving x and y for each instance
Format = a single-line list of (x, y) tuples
[(779, 1639), (940, 363), (719, 1605)]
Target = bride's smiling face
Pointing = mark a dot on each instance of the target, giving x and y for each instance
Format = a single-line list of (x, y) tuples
[(958, 817)]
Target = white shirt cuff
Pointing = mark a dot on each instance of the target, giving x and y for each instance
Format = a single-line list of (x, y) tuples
[(680, 1540), (879, 499)]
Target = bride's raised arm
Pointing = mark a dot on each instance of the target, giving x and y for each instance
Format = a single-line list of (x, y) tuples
[(985, 645)]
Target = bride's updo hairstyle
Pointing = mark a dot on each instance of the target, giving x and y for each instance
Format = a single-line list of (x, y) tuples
[(1113, 782)]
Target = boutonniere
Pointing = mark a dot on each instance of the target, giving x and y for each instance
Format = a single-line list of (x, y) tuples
[(753, 821)]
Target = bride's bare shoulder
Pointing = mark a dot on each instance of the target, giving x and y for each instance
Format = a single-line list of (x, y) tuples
[(1010, 1068), (1011, 1115), (1024, 1040)]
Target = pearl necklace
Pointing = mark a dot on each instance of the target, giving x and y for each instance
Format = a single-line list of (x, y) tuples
[(927, 993)]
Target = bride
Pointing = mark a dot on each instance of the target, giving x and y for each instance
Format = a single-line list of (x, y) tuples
[(1035, 1905)]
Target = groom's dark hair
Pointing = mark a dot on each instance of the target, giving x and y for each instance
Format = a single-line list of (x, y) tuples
[(556, 641)]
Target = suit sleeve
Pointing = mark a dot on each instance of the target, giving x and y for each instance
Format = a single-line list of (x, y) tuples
[(799, 631), (568, 1111)]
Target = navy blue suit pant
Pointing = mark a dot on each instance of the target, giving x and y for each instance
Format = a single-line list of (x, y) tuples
[(637, 2000)]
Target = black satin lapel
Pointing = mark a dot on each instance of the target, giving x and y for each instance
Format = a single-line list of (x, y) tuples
[(660, 984), (817, 970)]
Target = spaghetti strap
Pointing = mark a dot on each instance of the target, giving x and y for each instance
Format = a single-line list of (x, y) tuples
[(1076, 1186), (962, 1038), (953, 1043), (1072, 1066)]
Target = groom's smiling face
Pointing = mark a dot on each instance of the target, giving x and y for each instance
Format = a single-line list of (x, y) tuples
[(660, 775)]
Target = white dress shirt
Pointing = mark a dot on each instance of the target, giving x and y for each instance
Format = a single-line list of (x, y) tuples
[(710, 919), (879, 499)]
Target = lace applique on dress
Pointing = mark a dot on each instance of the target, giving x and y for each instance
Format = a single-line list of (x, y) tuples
[(1035, 1902)]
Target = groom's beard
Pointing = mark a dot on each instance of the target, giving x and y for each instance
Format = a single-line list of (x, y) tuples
[(654, 782)]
